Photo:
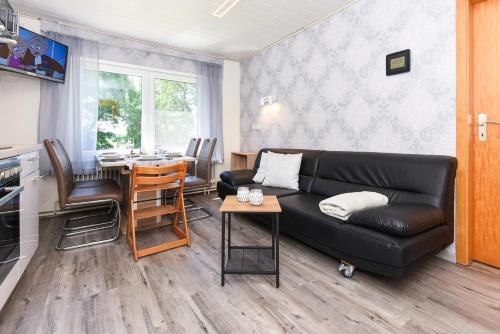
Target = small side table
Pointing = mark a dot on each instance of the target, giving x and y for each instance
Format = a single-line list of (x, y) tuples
[(256, 260), (243, 160)]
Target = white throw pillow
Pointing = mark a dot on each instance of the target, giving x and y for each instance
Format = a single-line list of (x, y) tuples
[(261, 172), (284, 170)]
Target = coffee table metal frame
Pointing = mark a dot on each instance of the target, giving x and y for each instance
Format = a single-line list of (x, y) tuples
[(225, 267)]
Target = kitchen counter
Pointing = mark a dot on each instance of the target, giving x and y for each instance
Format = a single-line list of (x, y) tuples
[(16, 150), (27, 217)]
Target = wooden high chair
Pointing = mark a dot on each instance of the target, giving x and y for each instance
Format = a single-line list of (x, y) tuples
[(161, 179)]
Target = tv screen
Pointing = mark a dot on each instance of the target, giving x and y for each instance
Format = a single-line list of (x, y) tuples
[(35, 55)]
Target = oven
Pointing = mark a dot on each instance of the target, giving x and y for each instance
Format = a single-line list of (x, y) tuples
[(10, 191)]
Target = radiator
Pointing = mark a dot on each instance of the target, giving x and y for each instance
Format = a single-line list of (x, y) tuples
[(101, 174)]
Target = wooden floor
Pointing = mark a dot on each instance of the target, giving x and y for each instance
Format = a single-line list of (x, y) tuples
[(102, 290)]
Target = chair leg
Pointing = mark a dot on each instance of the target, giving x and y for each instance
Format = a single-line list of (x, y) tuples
[(131, 233), (196, 207), (182, 234), (84, 227), (206, 215), (190, 205), (97, 227), (185, 221)]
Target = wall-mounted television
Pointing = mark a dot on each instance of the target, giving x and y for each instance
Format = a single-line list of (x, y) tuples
[(35, 55)]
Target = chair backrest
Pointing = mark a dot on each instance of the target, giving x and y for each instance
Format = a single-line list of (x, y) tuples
[(204, 165), (168, 177), (192, 150), (62, 167)]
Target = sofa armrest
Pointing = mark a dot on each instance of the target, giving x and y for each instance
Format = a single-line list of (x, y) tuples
[(237, 177), (399, 219)]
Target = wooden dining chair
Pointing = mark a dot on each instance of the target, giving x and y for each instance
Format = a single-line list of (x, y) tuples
[(160, 179)]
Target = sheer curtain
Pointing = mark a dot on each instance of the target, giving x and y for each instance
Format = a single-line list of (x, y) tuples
[(209, 92), (69, 111)]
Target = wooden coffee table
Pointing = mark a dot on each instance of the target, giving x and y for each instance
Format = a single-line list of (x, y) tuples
[(257, 260)]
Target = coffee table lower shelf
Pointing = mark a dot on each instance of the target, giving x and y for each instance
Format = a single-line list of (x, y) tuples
[(253, 260), (256, 260)]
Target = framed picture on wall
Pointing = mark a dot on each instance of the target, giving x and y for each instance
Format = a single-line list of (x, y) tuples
[(397, 62)]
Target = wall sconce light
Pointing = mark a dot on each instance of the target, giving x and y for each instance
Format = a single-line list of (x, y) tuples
[(267, 100)]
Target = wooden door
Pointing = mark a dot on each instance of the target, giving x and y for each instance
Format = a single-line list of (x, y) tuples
[(486, 97)]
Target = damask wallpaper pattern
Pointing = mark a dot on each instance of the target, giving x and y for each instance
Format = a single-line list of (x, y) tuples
[(332, 91)]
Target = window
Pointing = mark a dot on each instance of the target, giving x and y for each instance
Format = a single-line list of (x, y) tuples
[(120, 110), (143, 108), (175, 113)]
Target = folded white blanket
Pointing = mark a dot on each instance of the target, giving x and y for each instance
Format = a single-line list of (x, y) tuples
[(344, 205)]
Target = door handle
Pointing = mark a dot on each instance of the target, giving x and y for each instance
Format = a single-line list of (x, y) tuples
[(482, 121)]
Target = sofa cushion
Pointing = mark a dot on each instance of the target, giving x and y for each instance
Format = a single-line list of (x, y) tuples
[(308, 166), (278, 192), (225, 189), (261, 171), (237, 177), (403, 178), (422, 174), (302, 217), (401, 219), (284, 171)]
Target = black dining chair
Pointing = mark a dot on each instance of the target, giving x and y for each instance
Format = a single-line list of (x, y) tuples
[(203, 177), (84, 194), (192, 151)]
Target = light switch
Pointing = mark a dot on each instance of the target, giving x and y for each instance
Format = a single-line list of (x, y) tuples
[(255, 126)]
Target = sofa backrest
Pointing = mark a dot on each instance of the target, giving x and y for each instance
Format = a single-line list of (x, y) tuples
[(308, 166), (403, 178)]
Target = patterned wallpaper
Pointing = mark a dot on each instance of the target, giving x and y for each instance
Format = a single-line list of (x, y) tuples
[(331, 87)]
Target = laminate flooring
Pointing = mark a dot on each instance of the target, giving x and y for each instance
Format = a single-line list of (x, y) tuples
[(101, 289)]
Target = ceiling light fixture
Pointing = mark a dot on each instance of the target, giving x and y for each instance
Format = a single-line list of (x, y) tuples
[(224, 8)]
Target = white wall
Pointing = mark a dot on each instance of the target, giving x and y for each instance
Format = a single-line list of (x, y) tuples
[(20, 100), (231, 113)]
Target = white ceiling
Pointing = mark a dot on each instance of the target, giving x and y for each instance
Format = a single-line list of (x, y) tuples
[(188, 24)]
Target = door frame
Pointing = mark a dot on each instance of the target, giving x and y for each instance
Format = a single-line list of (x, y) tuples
[(465, 122)]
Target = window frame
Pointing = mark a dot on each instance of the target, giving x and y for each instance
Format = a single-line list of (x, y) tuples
[(148, 76)]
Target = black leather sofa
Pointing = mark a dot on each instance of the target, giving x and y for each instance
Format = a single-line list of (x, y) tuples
[(417, 222)]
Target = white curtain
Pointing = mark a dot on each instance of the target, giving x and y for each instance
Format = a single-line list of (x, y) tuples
[(69, 111), (209, 92)]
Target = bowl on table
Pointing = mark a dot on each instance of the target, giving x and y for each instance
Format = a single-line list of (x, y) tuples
[(256, 197)]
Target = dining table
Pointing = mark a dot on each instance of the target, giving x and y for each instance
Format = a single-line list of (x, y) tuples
[(124, 163), (127, 161)]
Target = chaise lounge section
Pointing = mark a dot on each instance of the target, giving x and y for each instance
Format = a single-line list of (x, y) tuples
[(417, 222)]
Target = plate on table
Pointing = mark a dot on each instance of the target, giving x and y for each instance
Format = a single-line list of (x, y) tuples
[(149, 158), (109, 153), (111, 159), (112, 156), (173, 154)]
